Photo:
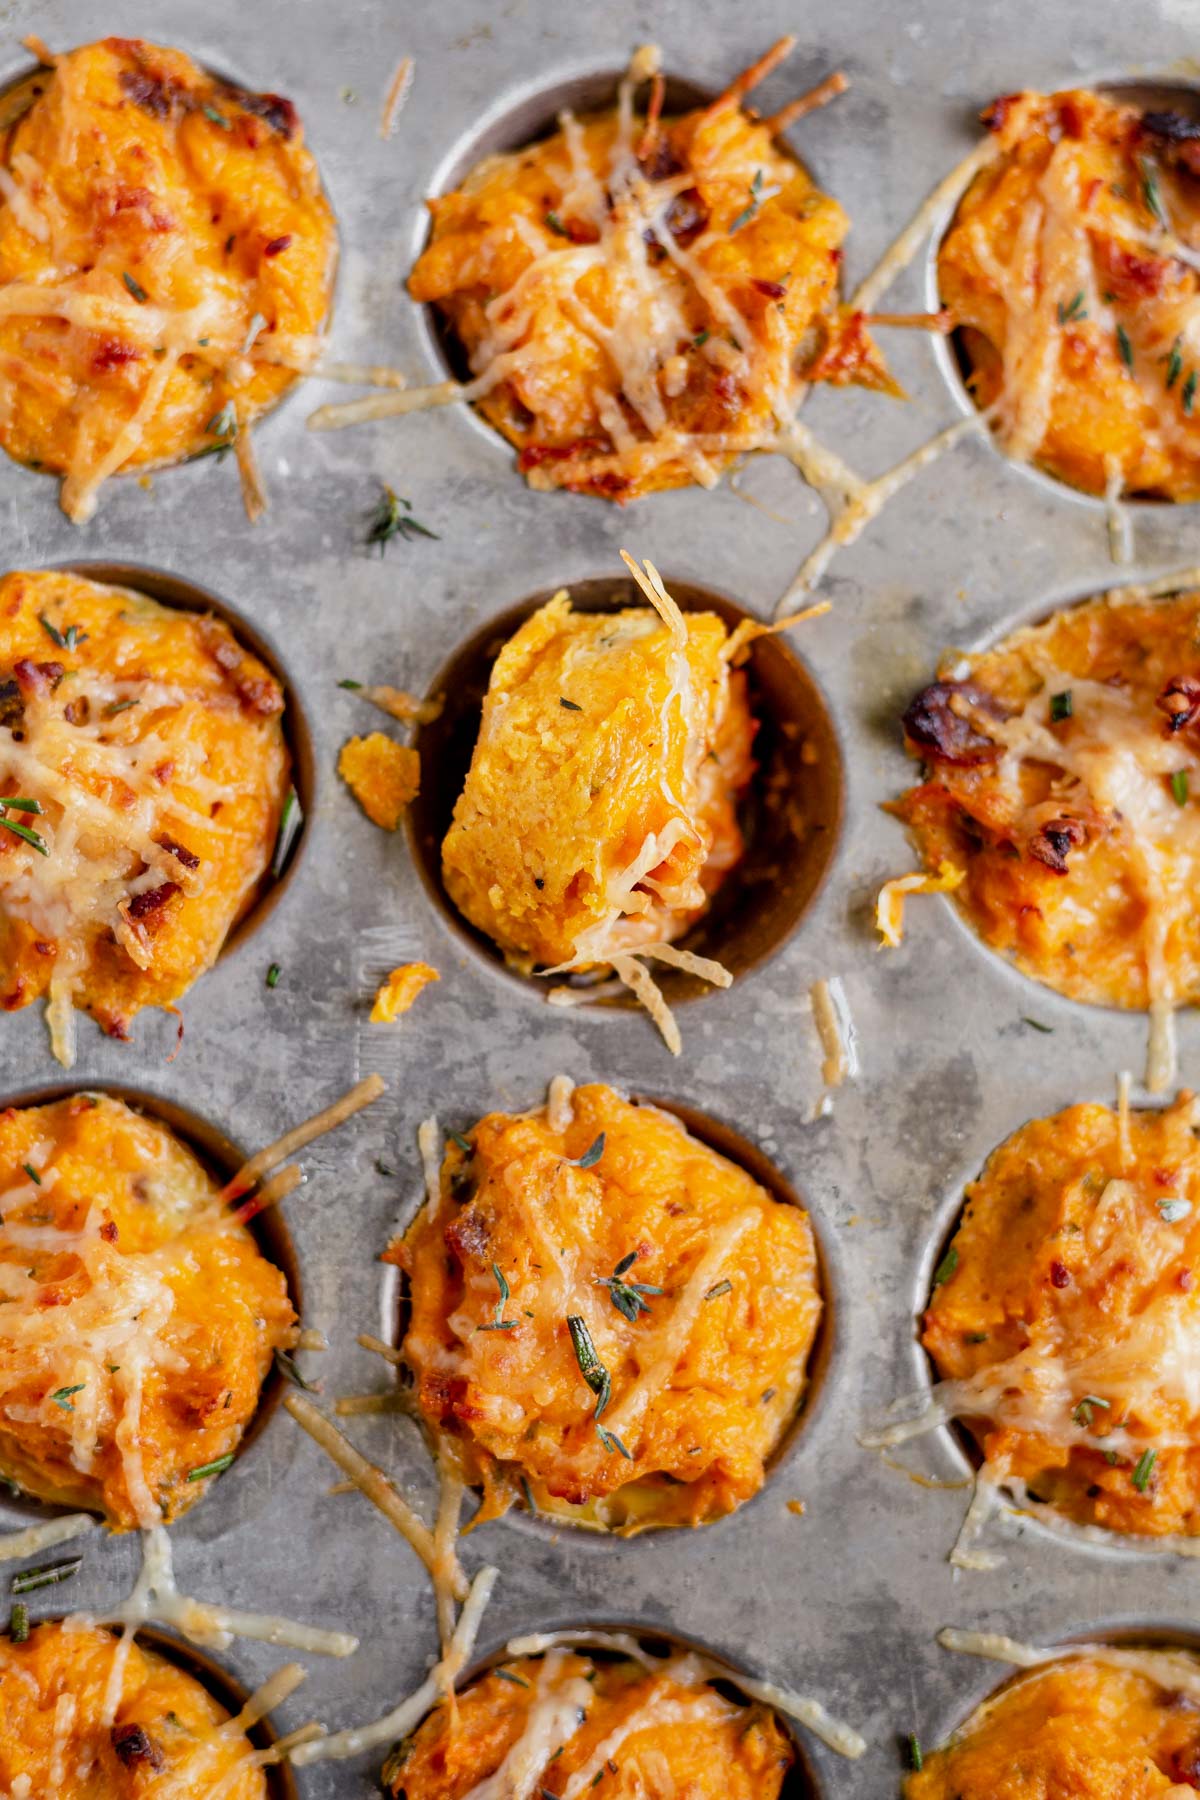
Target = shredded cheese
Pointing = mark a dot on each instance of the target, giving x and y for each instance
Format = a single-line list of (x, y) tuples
[(889, 907)]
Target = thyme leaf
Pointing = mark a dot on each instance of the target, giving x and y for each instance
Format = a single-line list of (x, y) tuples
[(393, 518), (590, 1366)]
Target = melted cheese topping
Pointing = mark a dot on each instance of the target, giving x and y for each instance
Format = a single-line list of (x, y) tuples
[(599, 814), (566, 1723), (88, 1716), (1062, 781), (1068, 270), (1066, 1326), (138, 1319), (636, 300), (704, 1335), (150, 745), (1093, 1721), (159, 290)]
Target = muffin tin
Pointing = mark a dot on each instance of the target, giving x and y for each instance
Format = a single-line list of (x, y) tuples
[(844, 1600)]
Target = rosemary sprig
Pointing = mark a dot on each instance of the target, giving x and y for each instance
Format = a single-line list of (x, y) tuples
[(18, 803), (290, 821), (591, 1155), (499, 1322), (70, 639), (393, 518), (1143, 1469), (1072, 309), (1189, 393), (49, 1575), (1151, 193), (1174, 361), (946, 1267), (287, 1365), (626, 1296), (748, 212), (590, 1366), (24, 831), (62, 1396), (217, 1467), (1125, 347), (135, 288), (18, 1623), (1085, 1411)]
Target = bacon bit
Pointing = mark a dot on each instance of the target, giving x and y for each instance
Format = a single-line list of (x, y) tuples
[(774, 290), (1165, 1177), (113, 354), (1070, 117), (1052, 841), (662, 162), (1130, 276), (155, 93), (38, 678), (279, 113), (108, 1231), (1185, 1764), (1060, 1275), (163, 771), (133, 1745), (138, 200), (848, 355), (942, 729), (78, 711), (43, 949), (995, 116), (821, 95), (278, 245), (1180, 701), (257, 693), (139, 908), (188, 858), (534, 454)]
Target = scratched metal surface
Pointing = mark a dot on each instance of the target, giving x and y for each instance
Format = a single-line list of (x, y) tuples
[(844, 1601)]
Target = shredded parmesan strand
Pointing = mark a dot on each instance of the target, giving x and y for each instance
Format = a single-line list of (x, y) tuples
[(36, 1538), (156, 1598), (651, 584), (816, 97), (377, 1345), (278, 1187), (372, 1481), (560, 1108), (640, 982), (835, 1027), (328, 1119), (397, 93), (1175, 1671), (429, 1145), (748, 631), (750, 78), (387, 406), (354, 374), (944, 198), (695, 1669), (408, 1715), (704, 966)]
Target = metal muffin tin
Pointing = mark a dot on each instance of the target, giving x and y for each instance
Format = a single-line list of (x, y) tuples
[(845, 1600)]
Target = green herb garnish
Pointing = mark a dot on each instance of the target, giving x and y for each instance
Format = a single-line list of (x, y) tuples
[(290, 821), (18, 1623), (1072, 310), (135, 288), (354, 686), (718, 1288), (273, 974), (62, 1396), (1125, 347), (19, 804), (1061, 706), (224, 427), (47, 1576), (626, 1296), (745, 216), (464, 1143), (556, 225), (1085, 1411), (916, 1761), (210, 112), (1189, 393), (23, 831), (1179, 786), (1174, 365), (1141, 1473), (611, 1442), (507, 1675), (946, 1267), (701, 338), (590, 1366), (393, 518), (32, 1174), (1036, 1025), (216, 1467), (499, 1322), (591, 1155), (1173, 1209), (118, 706), (288, 1366), (569, 705), (70, 639)]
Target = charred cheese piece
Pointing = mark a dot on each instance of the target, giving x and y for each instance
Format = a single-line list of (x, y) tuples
[(574, 1725), (1081, 1727), (138, 1318), (1065, 1323), (83, 1716), (1071, 270), (608, 1318), (641, 300), (150, 744), (599, 813), (166, 263), (1062, 780)]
